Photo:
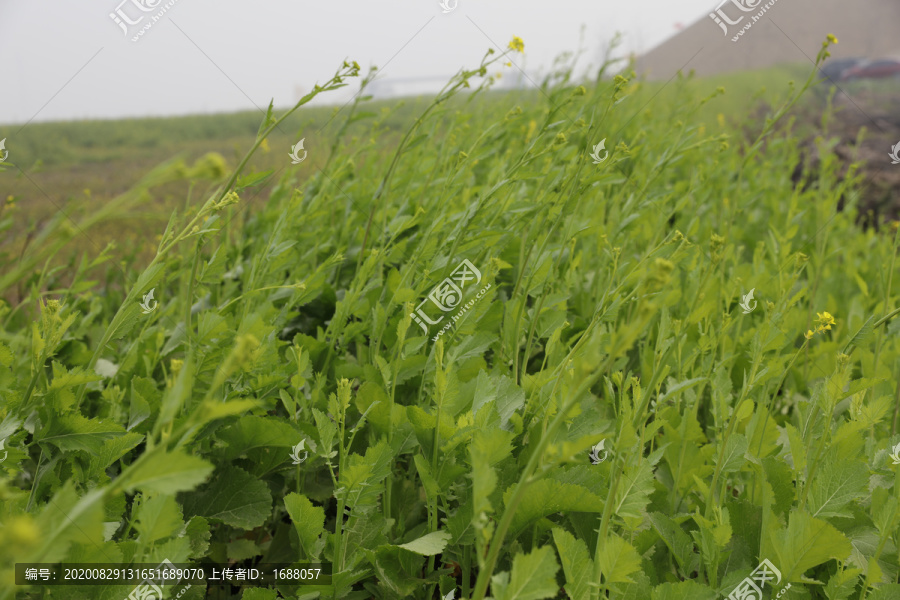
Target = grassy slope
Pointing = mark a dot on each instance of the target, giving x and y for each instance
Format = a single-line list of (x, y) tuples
[(613, 314)]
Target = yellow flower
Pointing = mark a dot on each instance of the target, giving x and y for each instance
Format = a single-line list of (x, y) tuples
[(532, 125), (509, 64), (517, 44), (825, 320), (832, 39), (264, 146), (809, 334)]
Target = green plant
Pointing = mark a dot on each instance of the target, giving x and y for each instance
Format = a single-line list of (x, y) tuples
[(462, 463)]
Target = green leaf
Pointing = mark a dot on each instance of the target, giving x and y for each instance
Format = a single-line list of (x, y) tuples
[(429, 544), (861, 335), (576, 563), (398, 570), (805, 543), (678, 542), (733, 458), (157, 517), (798, 449), (890, 591), (618, 559), (327, 431), (500, 393), (780, 481), (211, 410), (234, 497), (633, 492), (533, 577), (484, 482), (309, 520), (252, 432), (359, 481), (548, 496), (65, 520), (842, 584), (836, 485), (432, 489), (176, 396), (252, 180), (75, 432), (113, 449), (684, 590), (166, 474)]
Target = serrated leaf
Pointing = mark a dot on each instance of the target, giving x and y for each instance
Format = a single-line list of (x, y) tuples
[(836, 485), (633, 492), (157, 517), (890, 591), (548, 496), (429, 544), (75, 432), (233, 496), (576, 563), (499, 392), (533, 577), (618, 560), (167, 473), (359, 481), (678, 542), (805, 543), (309, 520), (733, 458), (252, 432), (861, 335)]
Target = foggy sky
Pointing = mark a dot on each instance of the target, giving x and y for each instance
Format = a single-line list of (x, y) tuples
[(66, 60)]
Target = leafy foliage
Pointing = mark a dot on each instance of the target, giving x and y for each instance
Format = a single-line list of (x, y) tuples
[(608, 309)]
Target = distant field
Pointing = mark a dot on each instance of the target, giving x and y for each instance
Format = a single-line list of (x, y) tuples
[(81, 165)]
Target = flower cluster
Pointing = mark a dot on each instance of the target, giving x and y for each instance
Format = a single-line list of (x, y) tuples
[(824, 321)]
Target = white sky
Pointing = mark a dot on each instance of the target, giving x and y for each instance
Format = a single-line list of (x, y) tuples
[(64, 59)]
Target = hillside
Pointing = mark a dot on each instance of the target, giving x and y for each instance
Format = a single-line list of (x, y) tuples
[(790, 31)]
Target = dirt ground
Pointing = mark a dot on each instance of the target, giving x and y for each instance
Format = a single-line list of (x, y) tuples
[(867, 121)]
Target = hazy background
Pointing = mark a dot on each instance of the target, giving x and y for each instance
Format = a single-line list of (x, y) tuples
[(66, 60)]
